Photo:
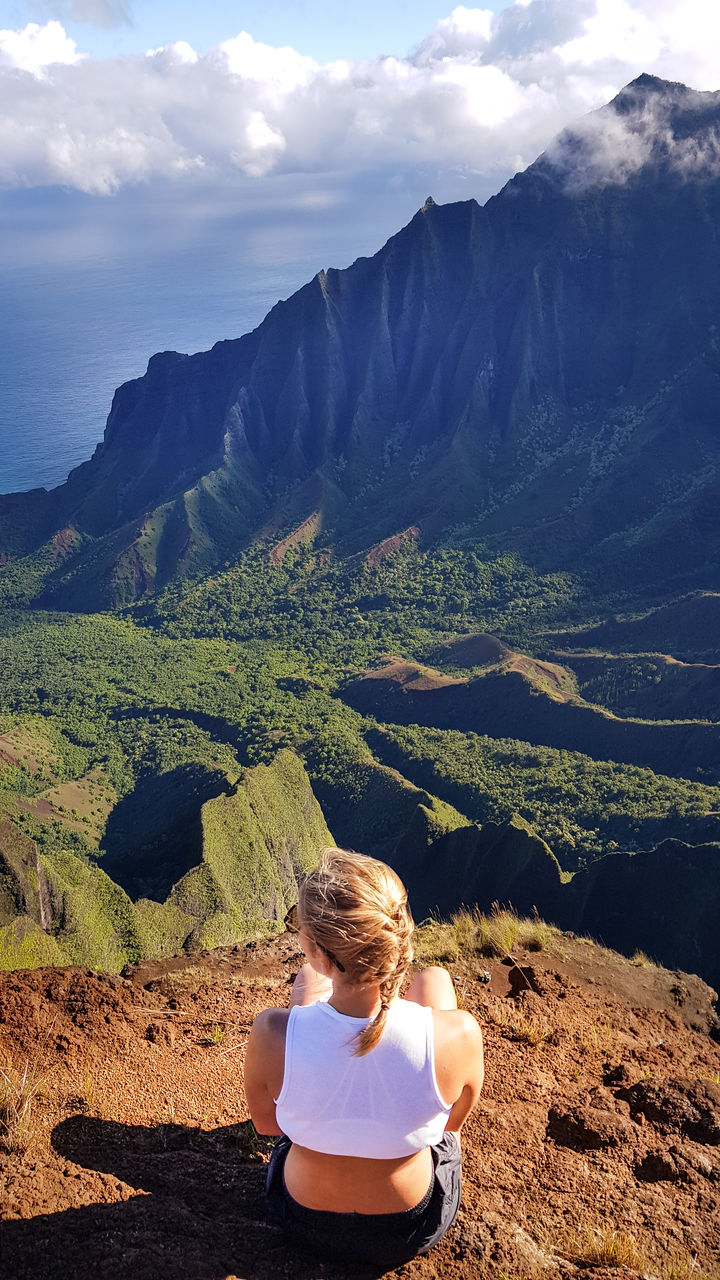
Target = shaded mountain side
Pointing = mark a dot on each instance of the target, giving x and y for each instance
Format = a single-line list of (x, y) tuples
[(597, 1130), (447, 862), (472, 865), (543, 371), (646, 687), (154, 835), (664, 902), (528, 703), (376, 809), (688, 629), (23, 887), (250, 843)]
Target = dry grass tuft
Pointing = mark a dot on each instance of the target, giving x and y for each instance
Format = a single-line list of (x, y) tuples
[(684, 1269), (529, 1031), (20, 1084), (605, 1246), (471, 933)]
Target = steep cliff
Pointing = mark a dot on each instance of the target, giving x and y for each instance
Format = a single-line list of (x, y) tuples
[(543, 370)]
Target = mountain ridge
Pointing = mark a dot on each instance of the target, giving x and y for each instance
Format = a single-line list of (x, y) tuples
[(507, 366)]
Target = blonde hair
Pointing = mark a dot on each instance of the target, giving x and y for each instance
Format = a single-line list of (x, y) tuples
[(356, 910)]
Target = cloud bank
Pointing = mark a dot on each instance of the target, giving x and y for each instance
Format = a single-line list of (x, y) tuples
[(477, 100)]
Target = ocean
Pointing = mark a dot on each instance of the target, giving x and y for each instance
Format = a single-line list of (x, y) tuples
[(93, 287)]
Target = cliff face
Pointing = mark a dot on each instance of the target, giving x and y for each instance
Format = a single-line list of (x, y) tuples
[(544, 368)]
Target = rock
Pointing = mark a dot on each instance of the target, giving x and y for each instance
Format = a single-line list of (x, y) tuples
[(657, 1166), (589, 1128), (680, 1106), (522, 978), (615, 1075), (689, 1158), (471, 1237)]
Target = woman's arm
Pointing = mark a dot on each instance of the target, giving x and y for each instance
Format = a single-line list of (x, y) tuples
[(459, 1063), (264, 1067)]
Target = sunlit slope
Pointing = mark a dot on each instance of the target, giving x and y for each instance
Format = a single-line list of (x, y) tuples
[(527, 699)]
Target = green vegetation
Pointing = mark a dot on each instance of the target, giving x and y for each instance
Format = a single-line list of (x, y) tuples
[(256, 841), (151, 761), (339, 613), (24, 945), (581, 807)]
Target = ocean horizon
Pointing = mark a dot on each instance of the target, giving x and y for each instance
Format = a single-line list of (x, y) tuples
[(94, 287)]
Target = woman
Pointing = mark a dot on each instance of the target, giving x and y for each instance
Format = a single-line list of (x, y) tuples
[(370, 1090)]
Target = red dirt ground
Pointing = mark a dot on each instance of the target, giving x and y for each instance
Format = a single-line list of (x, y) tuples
[(601, 1114)]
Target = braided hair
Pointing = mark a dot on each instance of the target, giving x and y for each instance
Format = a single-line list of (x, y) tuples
[(355, 909)]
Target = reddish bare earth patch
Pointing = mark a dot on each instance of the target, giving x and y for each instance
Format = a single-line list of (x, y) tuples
[(601, 1114), (375, 556)]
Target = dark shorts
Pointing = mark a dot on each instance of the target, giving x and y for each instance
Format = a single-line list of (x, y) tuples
[(384, 1239)]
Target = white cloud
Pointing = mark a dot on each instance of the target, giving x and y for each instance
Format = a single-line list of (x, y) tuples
[(609, 147), (479, 98), (34, 47), (465, 30), (180, 51)]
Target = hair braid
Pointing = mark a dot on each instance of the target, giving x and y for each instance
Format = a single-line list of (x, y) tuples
[(400, 929), (356, 909)]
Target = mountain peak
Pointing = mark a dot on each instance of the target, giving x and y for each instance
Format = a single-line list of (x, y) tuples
[(655, 84), (653, 125)]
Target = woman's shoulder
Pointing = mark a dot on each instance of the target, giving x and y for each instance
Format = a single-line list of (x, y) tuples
[(458, 1052), (270, 1026), (455, 1029)]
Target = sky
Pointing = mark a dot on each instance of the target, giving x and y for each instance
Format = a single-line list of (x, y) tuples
[(170, 168), (322, 29), (99, 94)]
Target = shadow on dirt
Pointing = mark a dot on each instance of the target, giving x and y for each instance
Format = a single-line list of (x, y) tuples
[(195, 1210)]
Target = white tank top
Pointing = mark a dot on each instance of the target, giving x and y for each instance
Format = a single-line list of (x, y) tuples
[(382, 1105)]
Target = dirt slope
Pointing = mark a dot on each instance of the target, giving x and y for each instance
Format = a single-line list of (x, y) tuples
[(601, 1114)]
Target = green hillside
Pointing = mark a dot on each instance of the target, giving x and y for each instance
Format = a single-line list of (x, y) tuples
[(430, 560)]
